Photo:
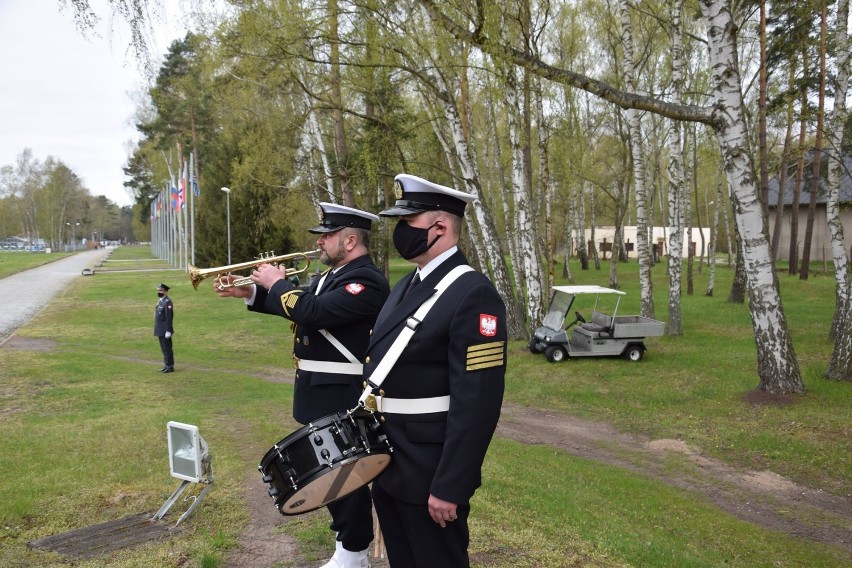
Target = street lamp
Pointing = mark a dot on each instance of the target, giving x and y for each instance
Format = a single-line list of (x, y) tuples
[(228, 206), (73, 234)]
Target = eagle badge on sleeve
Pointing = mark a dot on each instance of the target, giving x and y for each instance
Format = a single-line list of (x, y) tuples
[(354, 288), (487, 325)]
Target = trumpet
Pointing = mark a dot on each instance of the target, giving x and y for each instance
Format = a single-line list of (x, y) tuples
[(196, 275)]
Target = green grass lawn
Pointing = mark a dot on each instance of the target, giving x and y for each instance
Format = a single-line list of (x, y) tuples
[(83, 414), (12, 262)]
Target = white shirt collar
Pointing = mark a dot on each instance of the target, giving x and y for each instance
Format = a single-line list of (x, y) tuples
[(436, 262)]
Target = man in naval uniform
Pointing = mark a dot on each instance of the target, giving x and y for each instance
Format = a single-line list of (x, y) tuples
[(440, 401), (332, 322), (164, 313)]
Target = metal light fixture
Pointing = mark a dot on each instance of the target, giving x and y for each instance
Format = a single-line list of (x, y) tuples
[(189, 461), (73, 234)]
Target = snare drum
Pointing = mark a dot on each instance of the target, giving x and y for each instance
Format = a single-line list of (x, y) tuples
[(325, 460)]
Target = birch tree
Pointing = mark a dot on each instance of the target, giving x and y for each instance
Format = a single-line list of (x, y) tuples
[(815, 178), (714, 234), (676, 181), (634, 126), (777, 366), (528, 263), (840, 365), (484, 227)]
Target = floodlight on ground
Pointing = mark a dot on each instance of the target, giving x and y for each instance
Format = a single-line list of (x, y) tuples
[(189, 461), (187, 452)]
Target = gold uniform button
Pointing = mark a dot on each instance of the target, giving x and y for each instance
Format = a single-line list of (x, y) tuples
[(381, 418), (381, 392), (298, 340), (365, 384), (367, 360)]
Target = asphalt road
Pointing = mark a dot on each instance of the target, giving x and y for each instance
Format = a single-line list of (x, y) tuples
[(24, 294)]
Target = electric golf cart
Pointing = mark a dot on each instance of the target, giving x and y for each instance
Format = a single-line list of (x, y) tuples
[(601, 336)]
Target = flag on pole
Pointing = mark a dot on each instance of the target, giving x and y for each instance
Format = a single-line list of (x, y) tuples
[(182, 192), (193, 181), (175, 198)]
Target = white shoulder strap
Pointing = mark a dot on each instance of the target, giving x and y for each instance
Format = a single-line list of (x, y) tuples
[(411, 325), (339, 346)]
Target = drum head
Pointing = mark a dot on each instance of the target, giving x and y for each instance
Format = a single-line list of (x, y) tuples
[(334, 483)]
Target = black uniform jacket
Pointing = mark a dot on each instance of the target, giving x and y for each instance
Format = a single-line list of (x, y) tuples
[(163, 316), (459, 350), (346, 307)]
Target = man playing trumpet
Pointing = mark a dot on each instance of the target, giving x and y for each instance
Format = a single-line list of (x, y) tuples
[(333, 319)]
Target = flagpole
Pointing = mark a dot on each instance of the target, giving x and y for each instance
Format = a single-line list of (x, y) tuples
[(184, 214), (192, 185)]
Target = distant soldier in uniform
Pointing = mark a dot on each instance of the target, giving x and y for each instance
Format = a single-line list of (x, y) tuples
[(441, 400), (163, 330), (333, 319)]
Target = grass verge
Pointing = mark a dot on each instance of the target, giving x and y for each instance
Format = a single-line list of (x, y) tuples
[(83, 414)]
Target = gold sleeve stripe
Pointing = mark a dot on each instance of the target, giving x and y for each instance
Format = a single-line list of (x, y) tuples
[(289, 300), (485, 355), (481, 346)]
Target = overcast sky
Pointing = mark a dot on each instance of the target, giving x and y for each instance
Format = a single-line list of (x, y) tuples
[(67, 96)]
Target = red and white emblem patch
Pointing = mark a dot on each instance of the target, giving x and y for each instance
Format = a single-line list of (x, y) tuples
[(487, 325), (354, 288)]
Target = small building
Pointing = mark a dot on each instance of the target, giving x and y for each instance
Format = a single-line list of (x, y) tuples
[(605, 236), (821, 240)]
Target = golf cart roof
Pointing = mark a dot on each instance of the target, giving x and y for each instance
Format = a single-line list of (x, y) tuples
[(575, 290)]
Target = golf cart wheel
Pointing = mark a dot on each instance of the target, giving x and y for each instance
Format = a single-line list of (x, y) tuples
[(555, 354), (533, 348), (634, 353)]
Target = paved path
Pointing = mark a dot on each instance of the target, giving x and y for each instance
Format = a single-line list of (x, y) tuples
[(24, 294)]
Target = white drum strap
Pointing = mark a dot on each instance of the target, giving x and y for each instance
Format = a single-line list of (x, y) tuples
[(411, 325)]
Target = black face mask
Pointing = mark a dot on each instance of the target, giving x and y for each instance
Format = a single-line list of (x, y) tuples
[(411, 241), (161, 294)]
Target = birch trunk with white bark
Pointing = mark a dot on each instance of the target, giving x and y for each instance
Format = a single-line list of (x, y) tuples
[(528, 263), (580, 225), (777, 365), (840, 365), (676, 183), (714, 235), (486, 228), (646, 305), (315, 131)]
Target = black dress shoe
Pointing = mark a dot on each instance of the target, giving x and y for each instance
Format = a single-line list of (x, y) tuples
[(168, 370), (163, 370)]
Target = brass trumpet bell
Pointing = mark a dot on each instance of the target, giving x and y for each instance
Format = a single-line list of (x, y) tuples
[(196, 275)]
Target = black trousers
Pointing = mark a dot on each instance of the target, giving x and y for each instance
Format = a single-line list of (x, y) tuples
[(168, 354), (352, 519), (414, 540)]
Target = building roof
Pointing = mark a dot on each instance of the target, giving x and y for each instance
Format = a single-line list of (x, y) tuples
[(805, 195)]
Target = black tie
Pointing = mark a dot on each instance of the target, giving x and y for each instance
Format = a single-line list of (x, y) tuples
[(412, 285)]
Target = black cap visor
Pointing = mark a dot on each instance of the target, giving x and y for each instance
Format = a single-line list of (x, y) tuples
[(320, 229), (436, 202), (405, 207), (332, 222)]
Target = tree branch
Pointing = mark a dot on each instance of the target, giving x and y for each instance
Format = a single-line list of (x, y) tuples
[(622, 99)]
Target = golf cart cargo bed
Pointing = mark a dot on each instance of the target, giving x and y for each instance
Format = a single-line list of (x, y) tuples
[(637, 326)]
